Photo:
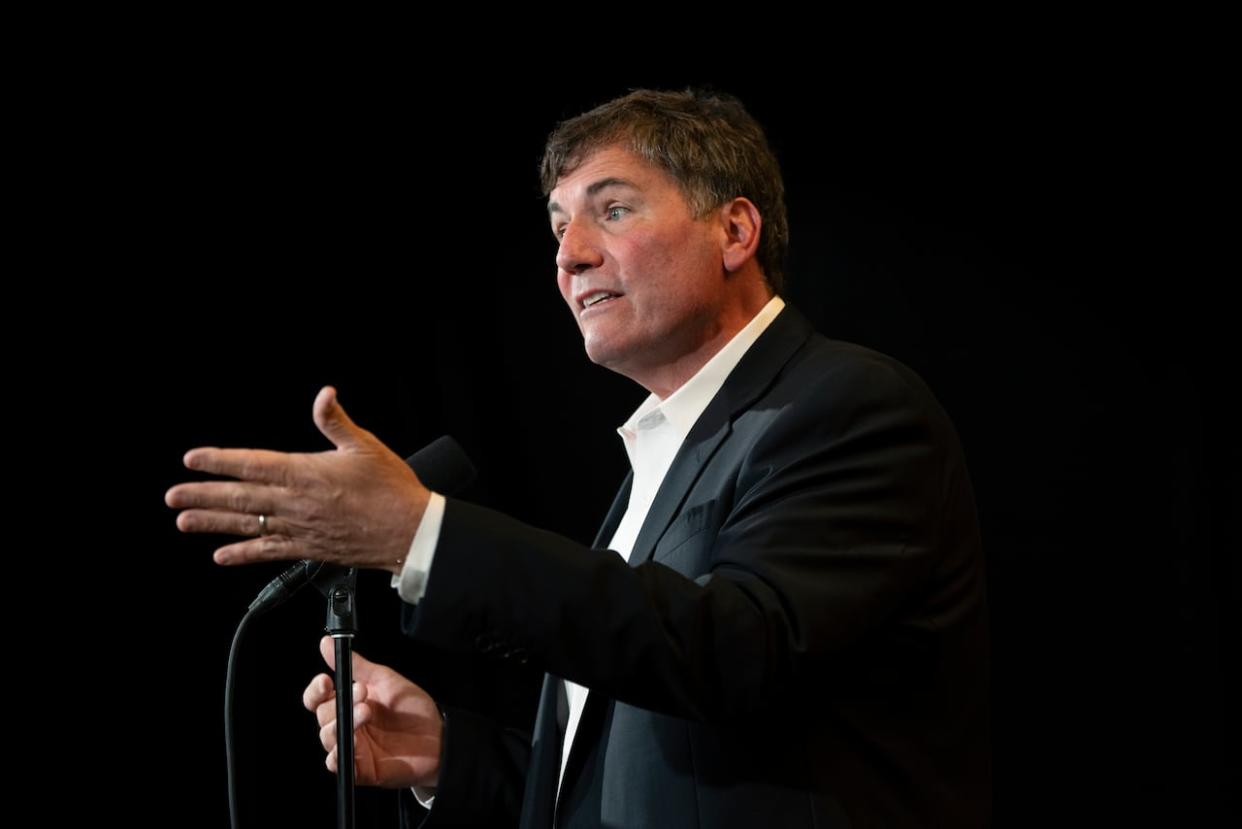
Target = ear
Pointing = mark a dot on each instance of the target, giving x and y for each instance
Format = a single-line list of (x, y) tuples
[(742, 224)]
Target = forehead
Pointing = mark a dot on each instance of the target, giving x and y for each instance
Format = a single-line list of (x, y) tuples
[(611, 166)]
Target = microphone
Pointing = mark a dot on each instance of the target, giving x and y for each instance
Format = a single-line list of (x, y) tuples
[(441, 465)]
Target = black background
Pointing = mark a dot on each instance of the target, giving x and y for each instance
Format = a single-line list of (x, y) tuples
[(272, 225)]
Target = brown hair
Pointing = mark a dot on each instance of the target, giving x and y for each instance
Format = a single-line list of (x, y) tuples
[(705, 140)]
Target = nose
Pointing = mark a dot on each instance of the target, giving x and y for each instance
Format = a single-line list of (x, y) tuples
[(578, 250)]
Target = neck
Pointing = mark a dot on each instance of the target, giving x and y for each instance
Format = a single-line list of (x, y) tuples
[(667, 376)]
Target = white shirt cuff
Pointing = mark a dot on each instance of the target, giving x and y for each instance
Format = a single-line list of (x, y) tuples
[(412, 583)]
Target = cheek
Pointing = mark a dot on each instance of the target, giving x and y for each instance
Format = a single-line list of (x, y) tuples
[(647, 261), (563, 286)]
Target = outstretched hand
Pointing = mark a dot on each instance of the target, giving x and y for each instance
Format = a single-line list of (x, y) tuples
[(358, 504), (397, 726)]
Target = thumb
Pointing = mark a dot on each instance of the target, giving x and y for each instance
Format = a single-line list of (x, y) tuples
[(332, 421), (364, 669)]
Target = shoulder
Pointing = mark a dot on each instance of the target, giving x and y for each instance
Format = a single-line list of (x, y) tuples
[(793, 359), (798, 387), (840, 398), (844, 379)]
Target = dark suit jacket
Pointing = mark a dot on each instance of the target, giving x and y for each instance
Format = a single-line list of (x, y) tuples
[(799, 637)]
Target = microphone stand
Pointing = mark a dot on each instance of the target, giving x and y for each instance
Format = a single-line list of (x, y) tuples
[(338, 585), (444, 467)]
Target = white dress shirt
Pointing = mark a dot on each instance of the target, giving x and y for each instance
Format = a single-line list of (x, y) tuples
[(652, 436)]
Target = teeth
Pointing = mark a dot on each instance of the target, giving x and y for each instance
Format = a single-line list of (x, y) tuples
[(598, 296)]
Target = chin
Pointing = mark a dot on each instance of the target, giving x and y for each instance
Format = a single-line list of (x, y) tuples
[(600, 356), (607, 354)]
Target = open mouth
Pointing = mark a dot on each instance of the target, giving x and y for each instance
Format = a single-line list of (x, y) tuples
[(598, 298)]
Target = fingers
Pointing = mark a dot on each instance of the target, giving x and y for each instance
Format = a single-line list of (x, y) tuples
[(231, 508), (225, 523), (324, 707), (331, 762), (360, 765), (332, 421), (325, 713), (231, 496), (364, 669), (327, 731), (259, 465), (327, 734), (327, 649), (228, 507), (264, 548), (319, 691)]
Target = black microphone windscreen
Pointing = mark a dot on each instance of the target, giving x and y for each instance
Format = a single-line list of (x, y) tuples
[(442, 466)]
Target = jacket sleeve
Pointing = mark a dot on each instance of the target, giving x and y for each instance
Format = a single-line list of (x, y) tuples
[(482, 775), (830, 530)]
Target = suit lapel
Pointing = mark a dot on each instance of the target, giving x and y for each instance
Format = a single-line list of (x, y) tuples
[(539, 798), (539, 803), (687, 466), (615, 513), (752, 375)]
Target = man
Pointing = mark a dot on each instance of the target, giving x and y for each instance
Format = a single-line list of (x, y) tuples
[(782, 620)]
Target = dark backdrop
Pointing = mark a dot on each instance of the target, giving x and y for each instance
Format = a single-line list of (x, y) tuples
[(273, 228)]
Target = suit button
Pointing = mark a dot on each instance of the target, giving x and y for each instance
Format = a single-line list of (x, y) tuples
[(520, 654), (486, 643)]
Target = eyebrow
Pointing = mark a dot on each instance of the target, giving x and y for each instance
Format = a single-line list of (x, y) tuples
[(595, 187)]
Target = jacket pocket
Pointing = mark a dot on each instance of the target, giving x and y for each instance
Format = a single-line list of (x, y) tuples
[(674, 547)]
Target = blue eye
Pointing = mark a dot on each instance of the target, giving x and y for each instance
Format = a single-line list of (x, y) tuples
[(616, 207)]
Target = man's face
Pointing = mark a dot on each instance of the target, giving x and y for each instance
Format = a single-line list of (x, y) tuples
[(642, 276)]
